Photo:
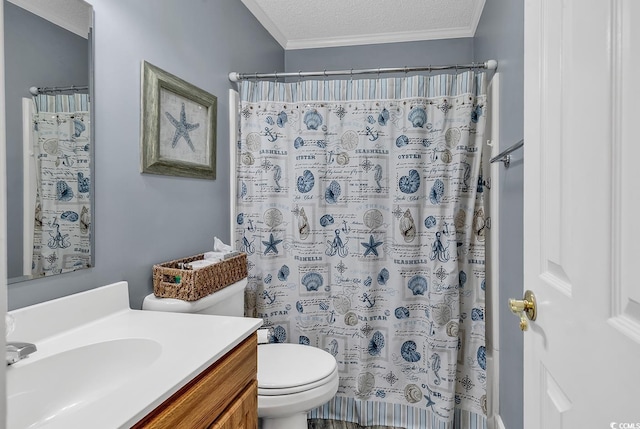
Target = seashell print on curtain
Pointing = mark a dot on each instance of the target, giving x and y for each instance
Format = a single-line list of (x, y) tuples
[(364, 233), (61, 135)]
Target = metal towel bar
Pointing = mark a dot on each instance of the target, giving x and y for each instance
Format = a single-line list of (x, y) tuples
[(504, 156)]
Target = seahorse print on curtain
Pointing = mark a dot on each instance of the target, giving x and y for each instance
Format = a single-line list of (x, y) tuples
[(358, 207)]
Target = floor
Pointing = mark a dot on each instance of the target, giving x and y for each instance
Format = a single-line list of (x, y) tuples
[(335, 424)]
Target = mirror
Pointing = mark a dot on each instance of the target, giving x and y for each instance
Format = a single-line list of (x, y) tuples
[(49, 149)]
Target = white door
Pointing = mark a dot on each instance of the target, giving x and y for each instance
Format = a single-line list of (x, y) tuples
[(582, 213)]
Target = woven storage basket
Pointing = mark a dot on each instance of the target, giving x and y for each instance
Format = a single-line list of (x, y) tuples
[(169, 281)]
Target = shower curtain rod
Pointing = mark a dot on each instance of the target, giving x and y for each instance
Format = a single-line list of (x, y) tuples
[(34, 90), (236, 77)]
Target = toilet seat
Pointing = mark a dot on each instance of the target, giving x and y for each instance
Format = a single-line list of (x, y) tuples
[(263, 391), (293, 368)]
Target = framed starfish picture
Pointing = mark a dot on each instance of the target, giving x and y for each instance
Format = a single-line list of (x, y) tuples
[(178, 136)]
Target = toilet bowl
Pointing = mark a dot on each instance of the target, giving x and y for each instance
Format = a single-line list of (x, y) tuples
[(292, 378)]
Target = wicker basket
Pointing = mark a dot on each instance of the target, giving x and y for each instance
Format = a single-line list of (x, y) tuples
[(170, 281)]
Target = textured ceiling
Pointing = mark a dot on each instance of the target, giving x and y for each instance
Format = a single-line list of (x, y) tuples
[(73, 15), (300, 24)]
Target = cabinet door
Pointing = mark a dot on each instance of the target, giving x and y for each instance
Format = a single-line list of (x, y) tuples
[(242, 413), (211, 394)]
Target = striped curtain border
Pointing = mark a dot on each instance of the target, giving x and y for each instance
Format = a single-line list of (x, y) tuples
[(396, 415), (443, 85), (62, 103)]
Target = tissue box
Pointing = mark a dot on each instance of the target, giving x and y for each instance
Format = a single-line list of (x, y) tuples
[(170, 281)]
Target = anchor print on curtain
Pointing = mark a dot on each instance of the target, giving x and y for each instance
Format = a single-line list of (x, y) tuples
[(360, 209)]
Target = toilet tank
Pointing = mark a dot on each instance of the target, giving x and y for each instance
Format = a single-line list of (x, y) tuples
[(225, 302)]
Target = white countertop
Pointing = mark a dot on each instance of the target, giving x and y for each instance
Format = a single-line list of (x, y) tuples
[(188, 344)]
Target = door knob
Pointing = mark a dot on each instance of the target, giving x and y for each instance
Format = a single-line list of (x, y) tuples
[(524, 309)]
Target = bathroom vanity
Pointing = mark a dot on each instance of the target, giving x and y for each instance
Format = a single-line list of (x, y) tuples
[(100, 364), (224, 396)]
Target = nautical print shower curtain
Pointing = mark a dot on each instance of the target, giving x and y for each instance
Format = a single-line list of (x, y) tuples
[(360, 209), (61, 136)]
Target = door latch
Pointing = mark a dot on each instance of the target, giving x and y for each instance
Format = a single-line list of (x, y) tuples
[(525, 309)]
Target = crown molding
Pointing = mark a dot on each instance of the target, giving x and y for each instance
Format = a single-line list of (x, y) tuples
[(266, 22), (379, 38)]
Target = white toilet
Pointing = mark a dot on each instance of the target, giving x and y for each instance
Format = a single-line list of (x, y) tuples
[(292, 378)]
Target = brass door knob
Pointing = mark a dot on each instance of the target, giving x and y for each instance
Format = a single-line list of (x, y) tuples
[(524, 309)]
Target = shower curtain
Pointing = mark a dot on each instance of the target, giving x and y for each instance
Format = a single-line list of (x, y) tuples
[(360, 209), (61, 136)]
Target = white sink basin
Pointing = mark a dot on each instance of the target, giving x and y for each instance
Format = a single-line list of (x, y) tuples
[(100, 364), (56, 386)]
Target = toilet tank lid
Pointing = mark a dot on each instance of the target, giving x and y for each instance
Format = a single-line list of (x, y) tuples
[(152, 302)]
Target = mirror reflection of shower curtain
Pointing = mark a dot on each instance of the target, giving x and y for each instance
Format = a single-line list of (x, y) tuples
[(62, 219), (360, 208)]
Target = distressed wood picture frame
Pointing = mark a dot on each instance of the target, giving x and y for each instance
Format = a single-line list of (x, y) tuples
[(178, 126)]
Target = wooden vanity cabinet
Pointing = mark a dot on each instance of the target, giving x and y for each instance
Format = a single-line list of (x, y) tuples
[(224, 396)]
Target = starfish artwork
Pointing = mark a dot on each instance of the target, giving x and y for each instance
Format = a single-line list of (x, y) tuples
[(271, 245), (182, 128), (371, 246)]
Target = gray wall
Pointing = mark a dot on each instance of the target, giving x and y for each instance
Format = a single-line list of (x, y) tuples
[(37, 53), (141, 219), (431, 52), (500, 35)]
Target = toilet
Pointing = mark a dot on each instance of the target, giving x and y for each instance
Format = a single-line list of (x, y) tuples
[(292, 378)]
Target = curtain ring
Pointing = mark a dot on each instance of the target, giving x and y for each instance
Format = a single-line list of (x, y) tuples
[(378, 72), (325, 74), (276, 75), (255, 76), (299, 75)]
